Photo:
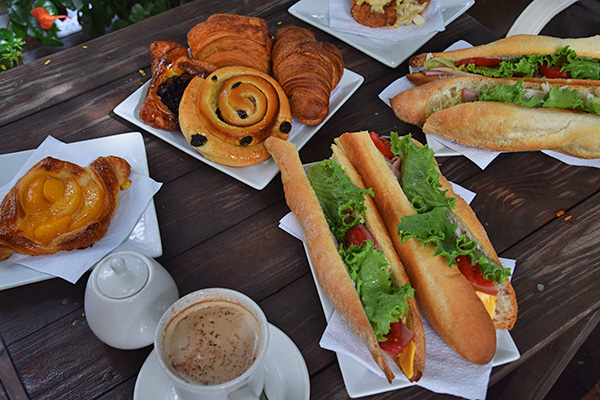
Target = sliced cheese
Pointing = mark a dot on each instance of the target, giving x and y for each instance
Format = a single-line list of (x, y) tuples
[(407, 359), (489, 301)]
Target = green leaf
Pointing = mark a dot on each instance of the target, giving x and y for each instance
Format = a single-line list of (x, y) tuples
[(431, 223), (18, 15), (418, 167), (384, 304), (337, 196), (514, 94)]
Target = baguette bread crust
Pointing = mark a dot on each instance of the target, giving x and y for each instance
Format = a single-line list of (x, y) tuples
[(518, 45), (375, 224), (444, 295), (329, 268), (506, 127), (416, 105)]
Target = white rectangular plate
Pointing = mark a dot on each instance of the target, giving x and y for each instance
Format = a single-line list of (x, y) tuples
[(360, 381), (145, 237), (257, 176), (392, 54)]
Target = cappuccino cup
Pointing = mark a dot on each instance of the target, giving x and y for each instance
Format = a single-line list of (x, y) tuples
[(211, 344)]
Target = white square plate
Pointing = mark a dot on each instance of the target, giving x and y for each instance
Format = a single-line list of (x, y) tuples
[(257, 176), (145, 237), (392, 54), (360, 381)]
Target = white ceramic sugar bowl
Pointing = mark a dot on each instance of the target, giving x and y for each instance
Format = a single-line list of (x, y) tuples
[(125, 296)]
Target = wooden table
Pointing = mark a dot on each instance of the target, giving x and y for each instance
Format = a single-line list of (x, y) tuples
[(217, 231)]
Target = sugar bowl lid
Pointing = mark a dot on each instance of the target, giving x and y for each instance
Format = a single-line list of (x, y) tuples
[(121, 276)]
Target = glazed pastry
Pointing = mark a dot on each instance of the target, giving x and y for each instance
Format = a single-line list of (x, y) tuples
[(307, 70), (232, 40), (390, 13), (227, 116), (172, 71), (58, 205)]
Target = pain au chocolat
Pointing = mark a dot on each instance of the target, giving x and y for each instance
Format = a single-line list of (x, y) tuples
[(227, 116), (58, 205)]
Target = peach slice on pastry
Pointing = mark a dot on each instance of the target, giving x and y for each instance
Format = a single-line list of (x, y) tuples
[(58, 205)]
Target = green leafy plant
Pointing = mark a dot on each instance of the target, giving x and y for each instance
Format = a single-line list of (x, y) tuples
[(96, 17), (11, 48)]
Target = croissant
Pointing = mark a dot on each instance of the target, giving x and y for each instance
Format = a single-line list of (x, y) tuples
[(58, 205), (232, 40), (172, 71), (227, 116), (307, 70)]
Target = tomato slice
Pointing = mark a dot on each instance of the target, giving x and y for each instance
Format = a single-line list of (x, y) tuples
[(479, 61), (396, 339), (475, 276), (383, 146), (358, 235), (553, 72)]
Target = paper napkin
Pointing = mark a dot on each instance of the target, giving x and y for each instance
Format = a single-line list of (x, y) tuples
[(445, 371), (340, 19), (481, 157), (71, 265)]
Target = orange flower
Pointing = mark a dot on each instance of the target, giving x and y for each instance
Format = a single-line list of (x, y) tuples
[(46, 20)]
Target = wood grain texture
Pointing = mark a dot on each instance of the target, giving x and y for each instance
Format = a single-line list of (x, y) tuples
[(217, 231)]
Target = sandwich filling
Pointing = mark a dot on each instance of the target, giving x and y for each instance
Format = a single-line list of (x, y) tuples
[(418, 176), (564, 64), (343, 205)]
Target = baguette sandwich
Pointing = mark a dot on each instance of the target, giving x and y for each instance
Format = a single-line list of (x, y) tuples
[(506, 114), (524, 56), (353, 257), (459, 282)]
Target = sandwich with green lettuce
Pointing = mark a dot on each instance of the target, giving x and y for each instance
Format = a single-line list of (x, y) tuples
[(519, 56), (507, 114)]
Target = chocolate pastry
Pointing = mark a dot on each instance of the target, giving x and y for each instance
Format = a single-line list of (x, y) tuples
[(172, 71), (58, 205), (307, 70)]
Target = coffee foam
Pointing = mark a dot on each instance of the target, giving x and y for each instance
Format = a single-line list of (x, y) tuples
[(212, 342)]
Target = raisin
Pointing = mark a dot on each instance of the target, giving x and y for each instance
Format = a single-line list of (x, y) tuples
[(198, 140), (285, 127), (242, 114), (246, 140)]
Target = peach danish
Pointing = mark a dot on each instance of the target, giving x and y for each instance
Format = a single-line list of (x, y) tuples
[(172, 71), (58, 205), (227, 116)]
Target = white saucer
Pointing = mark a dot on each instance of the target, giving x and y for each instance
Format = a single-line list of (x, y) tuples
[(286, 377)]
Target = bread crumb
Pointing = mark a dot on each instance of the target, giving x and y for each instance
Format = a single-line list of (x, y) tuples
[(141, 71), (558, 214), (47, 62), (568, 217), (85, 47)]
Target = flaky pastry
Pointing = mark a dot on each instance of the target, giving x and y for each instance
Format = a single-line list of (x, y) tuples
[(390, 13), (58, 205), (307, 70), (232, 40), (172, 71), (227, 116)]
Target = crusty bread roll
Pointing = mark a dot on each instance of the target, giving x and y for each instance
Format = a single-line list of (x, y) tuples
[(58, 205), (518, 45), (331, 272), (227, 116), (443, 294), (439, 108)]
